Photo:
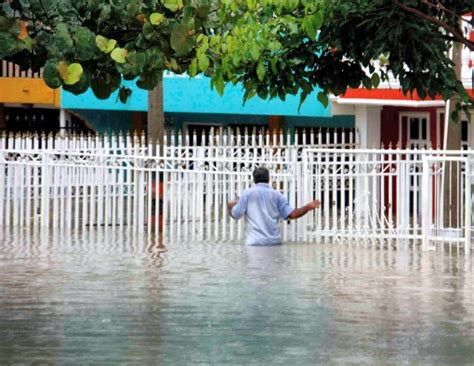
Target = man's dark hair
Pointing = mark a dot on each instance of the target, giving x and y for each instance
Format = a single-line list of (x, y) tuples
[(261, 175)]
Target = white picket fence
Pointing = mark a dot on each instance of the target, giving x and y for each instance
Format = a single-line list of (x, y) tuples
[(84, 180), (223, 137), (369, 197)]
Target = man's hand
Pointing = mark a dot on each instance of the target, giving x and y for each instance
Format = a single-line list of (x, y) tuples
[(231, 204), (296, 214), (314, 204)]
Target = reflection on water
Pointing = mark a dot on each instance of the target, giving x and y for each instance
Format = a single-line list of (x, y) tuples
[(108, 297)]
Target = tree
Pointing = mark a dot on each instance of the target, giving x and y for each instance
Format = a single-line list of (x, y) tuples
[(285, 47), (83, 43), (95, 43), (273, 47)]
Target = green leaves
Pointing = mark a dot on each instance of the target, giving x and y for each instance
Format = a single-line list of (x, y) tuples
[(220, 85), (203, 62), (136, 62), (78, 41), (100, 88), (255, 51), (51, 75), (6, 23), (157, 18), (149, 79), (193, 67), (74, 74), (375, 80), (119, 55), (60, 42), (104, 44), (70, 74), (85, 43), (181, 39), (8, 45), (260, 71), (323, 99), (272, 47), (124, 94), (173, 5), (312, 23)]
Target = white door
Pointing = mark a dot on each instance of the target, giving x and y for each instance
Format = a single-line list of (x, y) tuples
[(416, 128), (418, 131)]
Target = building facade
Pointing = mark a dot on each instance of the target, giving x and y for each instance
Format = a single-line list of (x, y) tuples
[(385, 116), (27, 104)]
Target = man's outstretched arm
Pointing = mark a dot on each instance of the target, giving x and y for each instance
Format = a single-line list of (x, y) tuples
[(299, 212), (231, 204), (237, 207)]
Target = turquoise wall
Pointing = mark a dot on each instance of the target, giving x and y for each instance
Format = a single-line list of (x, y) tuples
[(137, 102), (106, 121), (184, 95)]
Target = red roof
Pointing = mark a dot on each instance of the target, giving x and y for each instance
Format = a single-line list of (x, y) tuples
[(392, 94)]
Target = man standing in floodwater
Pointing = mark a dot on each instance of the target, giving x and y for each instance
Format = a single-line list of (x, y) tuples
[(263, 207)]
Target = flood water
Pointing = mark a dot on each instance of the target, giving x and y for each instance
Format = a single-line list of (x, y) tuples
[(112, 297)]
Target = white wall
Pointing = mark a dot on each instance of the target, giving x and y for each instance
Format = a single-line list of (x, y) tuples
[(367, 123)]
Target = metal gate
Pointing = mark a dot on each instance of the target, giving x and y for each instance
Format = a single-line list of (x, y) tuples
[(446, 201)]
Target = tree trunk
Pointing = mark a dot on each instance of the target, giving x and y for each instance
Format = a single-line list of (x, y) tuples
[(451, 204), (156, 115)]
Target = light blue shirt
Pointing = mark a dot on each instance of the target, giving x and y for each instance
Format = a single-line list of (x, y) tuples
[(263, 208)]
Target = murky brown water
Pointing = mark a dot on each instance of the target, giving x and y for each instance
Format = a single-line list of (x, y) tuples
[(107, 298)]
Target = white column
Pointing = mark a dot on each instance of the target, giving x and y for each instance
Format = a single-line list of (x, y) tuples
[(64, 120), (367, 123)]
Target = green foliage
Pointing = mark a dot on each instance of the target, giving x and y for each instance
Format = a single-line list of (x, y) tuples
[(173, 5), (119, 55), (51, 74), (104, 44), (92, 43), (72, 73), (274, 48), (280, 47), (157, 18), (182, 39)]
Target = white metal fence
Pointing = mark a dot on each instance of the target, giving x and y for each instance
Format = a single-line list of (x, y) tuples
[(395, 196), (84, 180), (370, 197)]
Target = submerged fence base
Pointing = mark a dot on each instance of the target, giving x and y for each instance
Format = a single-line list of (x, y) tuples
[(369, 197)]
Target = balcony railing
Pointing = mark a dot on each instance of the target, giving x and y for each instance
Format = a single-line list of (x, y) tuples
[(12, 70)]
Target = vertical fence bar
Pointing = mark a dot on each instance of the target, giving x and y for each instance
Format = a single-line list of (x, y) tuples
[(467, 206), (3, 176), (426, 204), (45, 189)]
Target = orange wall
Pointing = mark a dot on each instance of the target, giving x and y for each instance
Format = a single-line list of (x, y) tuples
[(28, 91)]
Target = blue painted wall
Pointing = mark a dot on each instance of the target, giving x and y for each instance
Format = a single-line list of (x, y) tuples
[(137, 102), (106, 121), (184, 95)]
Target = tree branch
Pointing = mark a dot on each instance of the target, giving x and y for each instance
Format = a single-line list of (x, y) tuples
[(456, 34)]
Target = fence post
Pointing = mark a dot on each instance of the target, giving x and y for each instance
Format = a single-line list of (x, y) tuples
[(45, 186), (306, 190), (426, 212), (468, 206), (3, 175)]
